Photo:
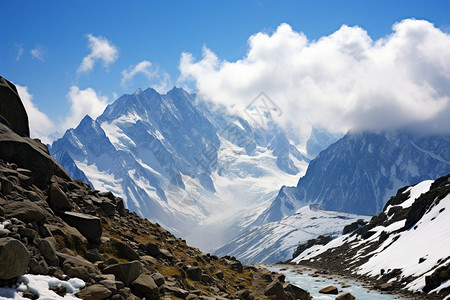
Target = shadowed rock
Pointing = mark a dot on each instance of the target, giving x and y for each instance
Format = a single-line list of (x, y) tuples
[(12, 109)]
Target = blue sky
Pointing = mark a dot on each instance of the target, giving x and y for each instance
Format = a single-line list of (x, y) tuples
[(44, 42)]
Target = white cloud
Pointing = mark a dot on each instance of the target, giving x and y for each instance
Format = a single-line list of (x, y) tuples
[(20, 50), (37, 53), (159, 80), (338, 82), (82, 103), (101, 50), (40, 124)]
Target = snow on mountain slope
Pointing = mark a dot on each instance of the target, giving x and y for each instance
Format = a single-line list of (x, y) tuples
[(407, 244), (359, 172), (198, 172), (276, 241)]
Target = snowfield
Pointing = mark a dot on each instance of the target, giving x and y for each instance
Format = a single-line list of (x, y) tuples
[(277, 241)]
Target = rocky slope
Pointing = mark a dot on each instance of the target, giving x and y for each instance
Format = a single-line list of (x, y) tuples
[(359, 173), (405, 247), (55, 226)]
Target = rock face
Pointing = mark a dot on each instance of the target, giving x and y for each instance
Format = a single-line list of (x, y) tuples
[(14, 258), (359, 172), (27, 152), (12, 109)]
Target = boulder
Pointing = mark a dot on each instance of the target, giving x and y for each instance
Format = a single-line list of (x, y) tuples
[(57, 199), (68, 262), (125, 272), (12, 109), (176, 291), (275, 289), (346, 296), (158, 278), (297, 292), (165, 254), (94, 292), (47, 248), (25, 211), (194, 273), (125, 251), (330, 290), (14, 258), (89, 226), (72, 237), (27, 153), (146, 286), (152, 249)]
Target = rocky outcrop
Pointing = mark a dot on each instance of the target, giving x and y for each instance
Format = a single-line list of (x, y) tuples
[(12, 109), (320, 240)]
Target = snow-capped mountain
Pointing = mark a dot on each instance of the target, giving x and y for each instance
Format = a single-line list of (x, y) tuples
[(276, 241), (198, 171), (405, 246), (359, 172)]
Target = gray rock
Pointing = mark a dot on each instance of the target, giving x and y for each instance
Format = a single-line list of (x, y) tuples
[(28, 154), (89, 226), (165, 254), (12, 109), (125, 251), (48, 250), (79, 272), (329, 290), (297, 292), (57, 199), (68, 261), (152, 249), (25, 211), (106, 205), (146, 286), (275, 289), (346, 296), (38, 267), (125, 272), (158, 278), (194, 273), (110, 285), (176, 291), (14, 258), (94, 292)]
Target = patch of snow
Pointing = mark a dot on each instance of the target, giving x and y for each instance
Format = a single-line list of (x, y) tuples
[(416, 191), (101, 180), (39, 285)]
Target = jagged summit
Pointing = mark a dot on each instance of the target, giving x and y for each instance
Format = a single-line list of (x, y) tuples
[(178, 163), (61, 238)]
